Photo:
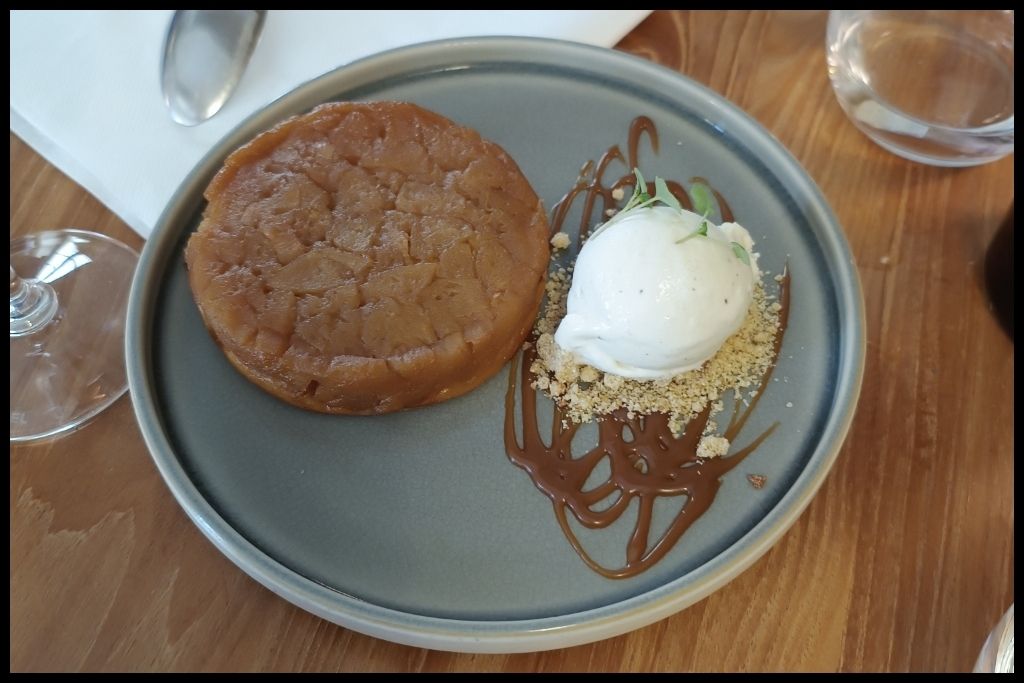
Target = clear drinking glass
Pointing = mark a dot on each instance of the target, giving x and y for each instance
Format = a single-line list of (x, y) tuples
[(997, 653), (69, 295), (934, 86)]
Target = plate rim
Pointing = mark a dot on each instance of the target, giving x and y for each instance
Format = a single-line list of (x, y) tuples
[(503, 636)]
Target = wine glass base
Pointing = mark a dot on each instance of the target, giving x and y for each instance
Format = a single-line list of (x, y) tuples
[(73, 367)]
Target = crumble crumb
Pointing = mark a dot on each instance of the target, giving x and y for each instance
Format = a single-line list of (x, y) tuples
[(884, 260), (610, 212), (757, 480), (618, 193), (560, 240), (712, 447), (613, 382), (789, 404)]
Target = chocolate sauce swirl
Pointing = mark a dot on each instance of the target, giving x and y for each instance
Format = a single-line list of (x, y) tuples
[(591, 183), (646, 460)]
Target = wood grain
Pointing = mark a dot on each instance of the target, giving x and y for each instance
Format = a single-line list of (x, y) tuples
[(903, 561)]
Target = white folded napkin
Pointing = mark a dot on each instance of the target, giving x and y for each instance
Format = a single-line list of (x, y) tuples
[(85, 89)]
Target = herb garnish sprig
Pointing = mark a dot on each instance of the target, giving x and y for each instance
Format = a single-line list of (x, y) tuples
[(642, 198), (702, 204)]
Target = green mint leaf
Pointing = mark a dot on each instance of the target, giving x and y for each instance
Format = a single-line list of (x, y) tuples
[(639, 192), (702, 200), (641, 184), (740, 252), (701, 231), (664, 195)]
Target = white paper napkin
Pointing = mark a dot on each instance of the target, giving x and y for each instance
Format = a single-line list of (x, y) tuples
[(85, 89)]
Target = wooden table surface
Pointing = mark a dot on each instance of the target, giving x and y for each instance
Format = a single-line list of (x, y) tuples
[(903, 561)]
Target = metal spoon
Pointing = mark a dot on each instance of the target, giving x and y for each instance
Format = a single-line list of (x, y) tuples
[(205, 53)]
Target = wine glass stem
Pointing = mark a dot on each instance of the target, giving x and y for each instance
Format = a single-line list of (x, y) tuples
[(33, 305)]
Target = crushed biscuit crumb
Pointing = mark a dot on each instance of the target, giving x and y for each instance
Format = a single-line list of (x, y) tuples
[(757, 480), (560, 240), (712, 447), (618, 193), (613, 382)]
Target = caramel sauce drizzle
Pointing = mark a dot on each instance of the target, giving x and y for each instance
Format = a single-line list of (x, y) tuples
[(646, 460)]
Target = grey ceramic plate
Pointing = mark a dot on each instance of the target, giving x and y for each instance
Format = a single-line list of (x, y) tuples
[(415, 527)]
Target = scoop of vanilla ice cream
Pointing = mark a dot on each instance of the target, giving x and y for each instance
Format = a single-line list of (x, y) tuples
[(649, 301)]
